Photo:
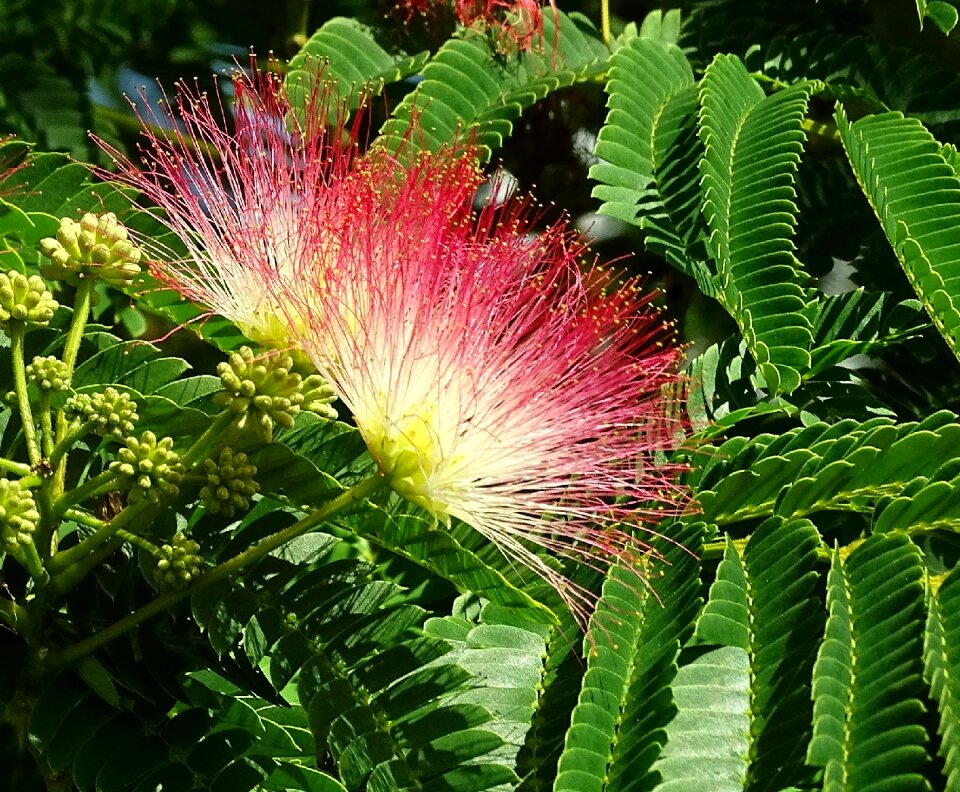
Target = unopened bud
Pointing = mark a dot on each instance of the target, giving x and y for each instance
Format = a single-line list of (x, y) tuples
[(26, 300), (96, 247), (229, 483), (113, 413), (49, 373), (180, 562), (18, 515), (262, 389), (149, 468)]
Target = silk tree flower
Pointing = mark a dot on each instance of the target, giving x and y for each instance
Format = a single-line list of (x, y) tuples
[(514, 24), (496, 382), (261, 191)]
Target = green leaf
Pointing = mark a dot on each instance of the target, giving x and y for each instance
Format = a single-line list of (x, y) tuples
[(943, 14), (422, 540), (707, 742), (916, 196), (857, 323), (353, 57), (507, 663), (631, 646), (941, 654), (648, 151), (848, 465), (868, 733), (467, 85), (753, 145), (293, 778), (763, 602)]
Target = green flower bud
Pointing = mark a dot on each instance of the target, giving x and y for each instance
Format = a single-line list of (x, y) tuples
[(97, 247), (180, 562), (148, 468), (18, 515), (317, 397), (26, 300), (112, 412), (49, 373), (229, 483), (262, 389)]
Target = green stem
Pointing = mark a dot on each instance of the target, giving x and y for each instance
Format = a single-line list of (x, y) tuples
[(102, 482), (139, 541), (605, 21), (71, 348), (65, 443), (46, 425), (207, 443), (71, 577), (18, 468), (714, 550), (17, 331), (258, 551), (31, 560), (65, 561), (82, 518), (81, 312), (12, 614)]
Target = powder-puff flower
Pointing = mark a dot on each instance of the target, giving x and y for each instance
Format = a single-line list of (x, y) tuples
[(513, 24), (257, 190), (494, 380)]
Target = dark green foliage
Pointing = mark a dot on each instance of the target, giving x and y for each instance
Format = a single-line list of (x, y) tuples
[(793, 165), (467, 87), (866, 683)]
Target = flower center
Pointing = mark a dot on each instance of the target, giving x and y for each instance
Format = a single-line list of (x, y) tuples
[(409, 454)]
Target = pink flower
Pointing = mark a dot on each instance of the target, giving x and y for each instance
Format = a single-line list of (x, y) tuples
[(515, 24), (264, 196), (494, 381)]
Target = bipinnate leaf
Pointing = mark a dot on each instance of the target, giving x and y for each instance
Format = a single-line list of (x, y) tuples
[(468, 87), (915, 194), (860, 322), (420, 539), (644, 614), (941, 654), (390, 706), (506, 660), (708, 740), (648, 152), (848, 465), (763, 601), (353, 58), (868, 732), (752, 147)]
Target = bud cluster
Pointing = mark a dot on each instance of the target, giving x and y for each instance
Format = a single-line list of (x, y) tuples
[(97, 246), (26, 300), (229, 483), (180, 562), (267, 391), (113, 413), (18, 515), (49, 373), (148, 467)]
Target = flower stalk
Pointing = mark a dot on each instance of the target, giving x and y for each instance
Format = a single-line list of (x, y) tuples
[(17, 331), (71, 654)]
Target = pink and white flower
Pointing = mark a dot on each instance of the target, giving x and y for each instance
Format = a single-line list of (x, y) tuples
[(262, 196), (494, 378), (495, 381)]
